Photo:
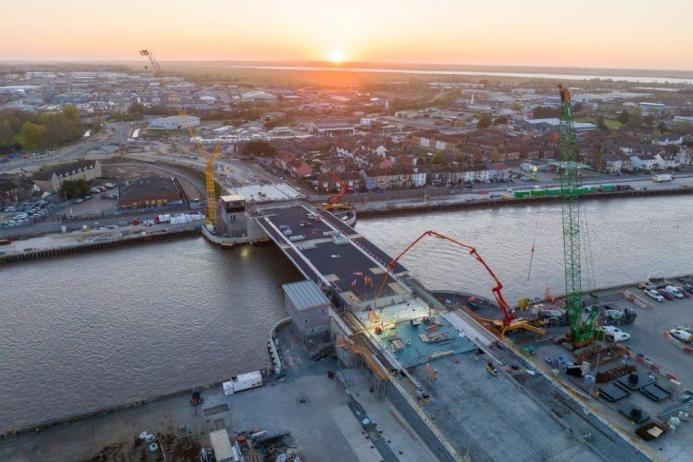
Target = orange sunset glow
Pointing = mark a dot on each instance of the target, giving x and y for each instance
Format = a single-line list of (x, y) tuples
[(591, 34)]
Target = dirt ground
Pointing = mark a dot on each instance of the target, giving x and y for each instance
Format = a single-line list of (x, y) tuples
[(129, 170)]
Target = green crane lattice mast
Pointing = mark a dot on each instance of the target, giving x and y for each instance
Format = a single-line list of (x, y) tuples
[(581, 324)]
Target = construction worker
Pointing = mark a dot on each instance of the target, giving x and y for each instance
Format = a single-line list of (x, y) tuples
[(565, 94)]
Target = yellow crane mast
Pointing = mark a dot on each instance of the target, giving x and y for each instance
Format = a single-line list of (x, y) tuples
[(210, 158)]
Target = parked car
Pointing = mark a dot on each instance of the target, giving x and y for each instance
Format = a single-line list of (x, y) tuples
[(665, 294), (682, 334), (674, 291), (686, 294), (653, 293), (615, 334)]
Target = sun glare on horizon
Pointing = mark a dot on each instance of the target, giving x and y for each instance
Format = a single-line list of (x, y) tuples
[(336, 57)]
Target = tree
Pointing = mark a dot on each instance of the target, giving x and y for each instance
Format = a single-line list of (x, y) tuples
[(623, 117), (6, 133), (32, 136), (543, 112), (484, 121), (260, 148), (136, 108), (648, 120), (437, 159), (635, 118), (601, 124), (662, 127), (74, 188), (71, 113), (501, 120)]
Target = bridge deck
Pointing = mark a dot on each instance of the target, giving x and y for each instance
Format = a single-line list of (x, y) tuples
[(330, 252)]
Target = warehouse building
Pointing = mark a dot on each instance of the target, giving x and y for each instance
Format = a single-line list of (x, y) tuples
[(178, 122), (149, 192), (52, 179)]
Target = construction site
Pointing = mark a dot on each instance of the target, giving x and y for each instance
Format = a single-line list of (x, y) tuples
[(481, 379), (404, 374)]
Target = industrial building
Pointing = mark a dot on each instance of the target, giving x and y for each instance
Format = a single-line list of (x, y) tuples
[(52, 179), (309, 310), (231, 217), (551, 123), (149, 192), (332, 128), (178, 122)]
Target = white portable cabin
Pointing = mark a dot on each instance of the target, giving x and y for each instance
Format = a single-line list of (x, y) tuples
[(242, 382), (221, 444)]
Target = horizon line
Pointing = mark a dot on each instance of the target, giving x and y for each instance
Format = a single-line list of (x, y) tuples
[(329, 65)]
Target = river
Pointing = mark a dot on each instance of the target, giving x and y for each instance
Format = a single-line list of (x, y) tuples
[(624, 240), (87, 331), (428, 71)]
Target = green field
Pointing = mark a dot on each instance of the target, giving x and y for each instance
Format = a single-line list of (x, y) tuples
[(613, 124)]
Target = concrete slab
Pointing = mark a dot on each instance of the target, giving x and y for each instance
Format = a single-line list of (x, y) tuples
[(362, 447), (492, 419)]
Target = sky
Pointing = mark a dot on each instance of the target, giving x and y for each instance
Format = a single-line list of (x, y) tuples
[(641, 34)]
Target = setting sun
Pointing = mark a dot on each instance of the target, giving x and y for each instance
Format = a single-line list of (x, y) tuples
[(336, 57)]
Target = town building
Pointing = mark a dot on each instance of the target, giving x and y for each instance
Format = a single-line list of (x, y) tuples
[(257, 96), (652, 108), (149, 192), (552, 123), (688, 120), (177, 122), (51, 180), (645, 162), (332, 128)]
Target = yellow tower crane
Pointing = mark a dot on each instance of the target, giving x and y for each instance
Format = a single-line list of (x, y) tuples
[(210, 158)]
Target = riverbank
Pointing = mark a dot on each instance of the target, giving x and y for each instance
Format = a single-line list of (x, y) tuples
[(408, 207), (269, 375), (87, 241), (327, 427)]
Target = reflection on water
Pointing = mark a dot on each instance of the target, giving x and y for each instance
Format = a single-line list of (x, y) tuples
[(624, 240)]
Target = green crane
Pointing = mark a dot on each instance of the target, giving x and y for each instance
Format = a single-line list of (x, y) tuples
[(581, 320)]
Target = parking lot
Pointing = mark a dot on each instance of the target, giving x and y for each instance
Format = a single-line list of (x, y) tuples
[(648, 353), (26, 213), (648, 334)]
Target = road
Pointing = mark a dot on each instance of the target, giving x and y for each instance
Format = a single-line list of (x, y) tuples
[(113, 133), (379, 201)]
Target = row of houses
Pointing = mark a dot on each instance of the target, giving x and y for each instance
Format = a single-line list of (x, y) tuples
[(618, 162), (403, 178)]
